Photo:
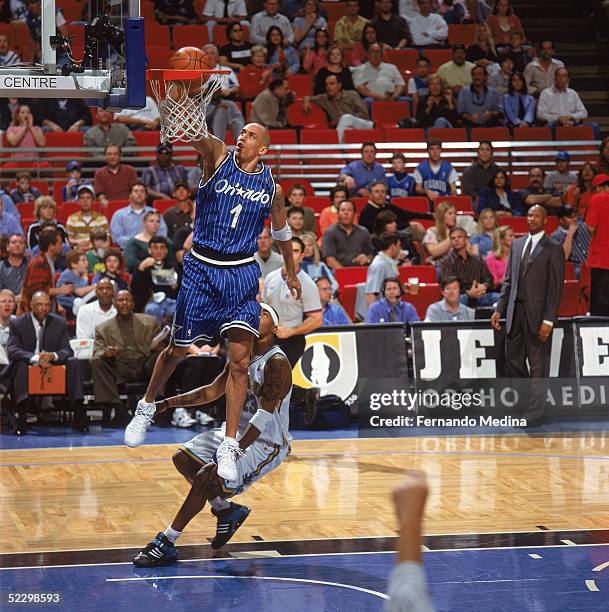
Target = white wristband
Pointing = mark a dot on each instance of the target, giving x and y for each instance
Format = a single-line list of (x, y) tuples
[(261, 419), (283, 234)]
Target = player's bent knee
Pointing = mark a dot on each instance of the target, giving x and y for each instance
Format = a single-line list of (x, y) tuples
[(174, 352), (183, 463)]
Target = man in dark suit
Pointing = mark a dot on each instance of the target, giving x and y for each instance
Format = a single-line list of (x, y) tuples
[(529, 300), (125, 350), (41, 338)]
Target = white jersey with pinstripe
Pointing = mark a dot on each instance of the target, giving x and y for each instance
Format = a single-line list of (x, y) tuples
[(264, 454)]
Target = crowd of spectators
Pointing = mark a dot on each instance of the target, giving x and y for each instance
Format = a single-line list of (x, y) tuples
[(110, 265)]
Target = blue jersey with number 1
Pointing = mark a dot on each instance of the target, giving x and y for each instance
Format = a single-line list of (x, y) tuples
[(232, 207)]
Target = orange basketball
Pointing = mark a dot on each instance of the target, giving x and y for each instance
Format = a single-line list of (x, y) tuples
[(190, 58)]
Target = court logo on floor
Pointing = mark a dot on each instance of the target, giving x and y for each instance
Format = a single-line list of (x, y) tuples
[(330, 363)]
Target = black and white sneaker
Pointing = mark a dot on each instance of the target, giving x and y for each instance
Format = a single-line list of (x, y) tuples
[(161, 551), (229, 521)]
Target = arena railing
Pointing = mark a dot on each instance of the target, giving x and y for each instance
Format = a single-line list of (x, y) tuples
[(319, 164)]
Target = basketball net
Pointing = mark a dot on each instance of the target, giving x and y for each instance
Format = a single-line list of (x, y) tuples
[(183, 106)]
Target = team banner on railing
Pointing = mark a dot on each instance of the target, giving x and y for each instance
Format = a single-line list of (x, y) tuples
[(468, 358), (353, 362)]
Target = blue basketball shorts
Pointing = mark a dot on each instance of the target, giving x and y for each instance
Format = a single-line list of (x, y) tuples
[(215, 299)]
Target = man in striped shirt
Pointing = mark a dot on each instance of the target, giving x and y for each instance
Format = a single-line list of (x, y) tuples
[(81, 224), (471, 271), (574, 237), (161, 178)]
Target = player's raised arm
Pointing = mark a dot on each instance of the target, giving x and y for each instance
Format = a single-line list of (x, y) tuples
[(196, 397), (281, 232), (213, 151)]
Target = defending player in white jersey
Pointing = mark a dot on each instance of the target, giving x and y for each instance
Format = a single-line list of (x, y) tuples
[(220, 280), (263, 426)]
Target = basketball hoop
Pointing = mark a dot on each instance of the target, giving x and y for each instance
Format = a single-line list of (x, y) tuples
[(183, 97)]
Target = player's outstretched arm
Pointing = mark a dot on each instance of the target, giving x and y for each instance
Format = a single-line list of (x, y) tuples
[(277, 384), (213, 151), (281, 233), (196, 397)]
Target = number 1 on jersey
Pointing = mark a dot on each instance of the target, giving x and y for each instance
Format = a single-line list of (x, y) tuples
[(235, 211)]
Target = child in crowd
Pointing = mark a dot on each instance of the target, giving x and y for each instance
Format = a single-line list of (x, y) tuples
[(24, 192), (69, 192)]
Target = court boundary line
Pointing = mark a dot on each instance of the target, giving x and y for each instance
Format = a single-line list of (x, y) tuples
[(287, 556), (281, 579), (377, 537)]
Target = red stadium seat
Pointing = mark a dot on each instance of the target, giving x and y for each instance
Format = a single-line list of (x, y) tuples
[(317, 203), (389, 114), (26, 209), (163, 205), (348, 297), (577, 132), (448, 134), (335, 10), (414, 204), (405, 135), (361, 136), (426, 223), (77, 33), (427, 295), (72, 11), (301, 84), (462, 203), (404, 59), (146, 139), (518, 224), (570, 271), (425, 274), (532, 133), (316, 118), (490, 133), (279, 137), (147, 10), (159, 58), (569, 304), (113, 206), (519, 181), (188, 36), (64, 139), (359, 203), (319, 136), (57, 189), (156, 36), (351, 275), (437, 57), (287, 183), (463, 34)]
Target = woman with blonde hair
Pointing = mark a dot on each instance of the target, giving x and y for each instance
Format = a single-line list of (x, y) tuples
[(436, 239), (481, 243), (482, 52), (497, 259), (45, 211), (311, 262)]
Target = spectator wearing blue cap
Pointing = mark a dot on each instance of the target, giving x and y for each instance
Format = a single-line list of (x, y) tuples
[(560, 179), (69, 192)]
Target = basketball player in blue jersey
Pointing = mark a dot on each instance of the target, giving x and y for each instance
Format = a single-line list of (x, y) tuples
[(264, 432), (236, 195), (435, 177)]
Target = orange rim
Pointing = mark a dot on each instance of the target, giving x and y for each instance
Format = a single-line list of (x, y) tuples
[(171, 74)]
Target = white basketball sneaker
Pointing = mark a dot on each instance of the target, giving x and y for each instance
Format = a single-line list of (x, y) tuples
[(135, 432), (226, 455)]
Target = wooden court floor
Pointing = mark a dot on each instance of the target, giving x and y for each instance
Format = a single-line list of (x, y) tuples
[(114, 497)]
